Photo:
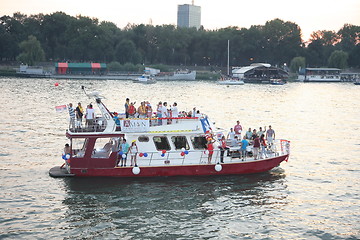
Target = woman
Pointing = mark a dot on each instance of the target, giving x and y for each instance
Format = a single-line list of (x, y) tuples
[(133, 150), (210, 148), (263, 145)]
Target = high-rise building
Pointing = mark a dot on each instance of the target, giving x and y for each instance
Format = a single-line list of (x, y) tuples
[(189, 16)]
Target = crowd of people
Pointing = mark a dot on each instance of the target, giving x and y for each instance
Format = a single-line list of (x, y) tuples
[(260, 140)]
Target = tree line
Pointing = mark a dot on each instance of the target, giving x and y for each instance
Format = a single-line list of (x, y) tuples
[(61, 37)]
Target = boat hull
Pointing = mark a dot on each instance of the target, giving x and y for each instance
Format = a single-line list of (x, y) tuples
[(236, 168)]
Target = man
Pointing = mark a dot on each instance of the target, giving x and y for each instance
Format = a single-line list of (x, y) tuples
[(270, 136), (79, 114), (124, 148), (238, 129), (72, 116), (90, 116), (164, 113), (127, 104), (174, 111), (261, 132)]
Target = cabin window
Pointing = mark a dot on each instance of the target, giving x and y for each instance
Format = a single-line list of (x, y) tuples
[(78, 146), (199, 142), (104, 147), (143, 139), (180, 142), (161, 143)]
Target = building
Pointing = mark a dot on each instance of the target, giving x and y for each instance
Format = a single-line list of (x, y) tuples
[(80, 68), (189, 16)]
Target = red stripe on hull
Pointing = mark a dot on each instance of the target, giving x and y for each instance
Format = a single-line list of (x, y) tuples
[(185, 170)]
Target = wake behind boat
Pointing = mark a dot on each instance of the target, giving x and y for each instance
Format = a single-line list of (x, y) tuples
[(165, 147)]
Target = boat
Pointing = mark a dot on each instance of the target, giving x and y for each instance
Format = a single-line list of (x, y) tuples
[(319, 75), (260, 73), (179, 74), (276, 82), (166, 147), (357, 82), (32, 72), (227, 79), (145, 78)]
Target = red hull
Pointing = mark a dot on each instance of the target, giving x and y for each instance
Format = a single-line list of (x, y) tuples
[(185, 170)]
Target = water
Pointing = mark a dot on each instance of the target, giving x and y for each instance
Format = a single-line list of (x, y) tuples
[(315, 195)]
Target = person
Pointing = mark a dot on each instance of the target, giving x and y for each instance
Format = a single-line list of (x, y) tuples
[(90, 116), (198, 114), (142, 110), (127, 104), (248, 134), (223, 148), (164, 113), (133, 150), (231, 134), (72, 116), (254, 134), (159, 112), (117, 121), (67, 151), (260, 132), (148, 110), (256, 147), (235, 142), (270, 136), (132, 110), (124, 148), (79, 114), (244, 144), (210, 148), (238, 129), (175, 111), (263, 146)]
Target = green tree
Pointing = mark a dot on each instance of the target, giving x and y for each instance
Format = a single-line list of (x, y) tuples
[(296, 63), (31, 51), (338, 59)]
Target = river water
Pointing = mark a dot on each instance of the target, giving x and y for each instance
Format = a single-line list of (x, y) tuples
[(316, 195)]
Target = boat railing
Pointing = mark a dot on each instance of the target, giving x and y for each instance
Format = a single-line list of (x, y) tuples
[(280, 147), (100, 123)]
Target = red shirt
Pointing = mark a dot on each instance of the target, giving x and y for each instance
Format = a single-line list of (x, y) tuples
[(237, 129)]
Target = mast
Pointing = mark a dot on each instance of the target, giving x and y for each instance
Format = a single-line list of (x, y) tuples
[(228, 58)]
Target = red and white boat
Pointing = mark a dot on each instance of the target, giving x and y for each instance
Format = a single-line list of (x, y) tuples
[(177, 148)]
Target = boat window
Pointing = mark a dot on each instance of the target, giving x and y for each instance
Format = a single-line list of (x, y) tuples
[(180, 142), (161, 143), (143, 139), (78, 146), (198, 142), (104, 147)]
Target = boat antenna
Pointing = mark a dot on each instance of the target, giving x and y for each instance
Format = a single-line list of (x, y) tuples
[(83, 88)]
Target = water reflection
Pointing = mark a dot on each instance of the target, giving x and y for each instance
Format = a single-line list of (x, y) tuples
[(155, 207)]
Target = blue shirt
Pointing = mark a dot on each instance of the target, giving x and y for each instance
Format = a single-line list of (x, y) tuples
[(125, 147), (244, 144)]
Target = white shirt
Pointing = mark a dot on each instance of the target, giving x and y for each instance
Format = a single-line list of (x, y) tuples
[(164, 112), (90, 112), (175, 111)]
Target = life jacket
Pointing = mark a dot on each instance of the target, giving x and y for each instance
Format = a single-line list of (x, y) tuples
[(131, 110)]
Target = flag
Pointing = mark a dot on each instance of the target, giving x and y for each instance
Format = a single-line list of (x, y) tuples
[(205, 124), (60, 108)]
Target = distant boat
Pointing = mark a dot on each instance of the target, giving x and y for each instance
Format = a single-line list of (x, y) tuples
[(320, 75), (32, 72), (277, 82), (259, 73), (228, 80), (145, 78), (187, 75), (357, 81)]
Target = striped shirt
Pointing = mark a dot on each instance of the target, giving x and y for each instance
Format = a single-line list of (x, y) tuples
[(72, 112)]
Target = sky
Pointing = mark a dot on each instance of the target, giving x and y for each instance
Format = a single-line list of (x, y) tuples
[(309, 15)]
